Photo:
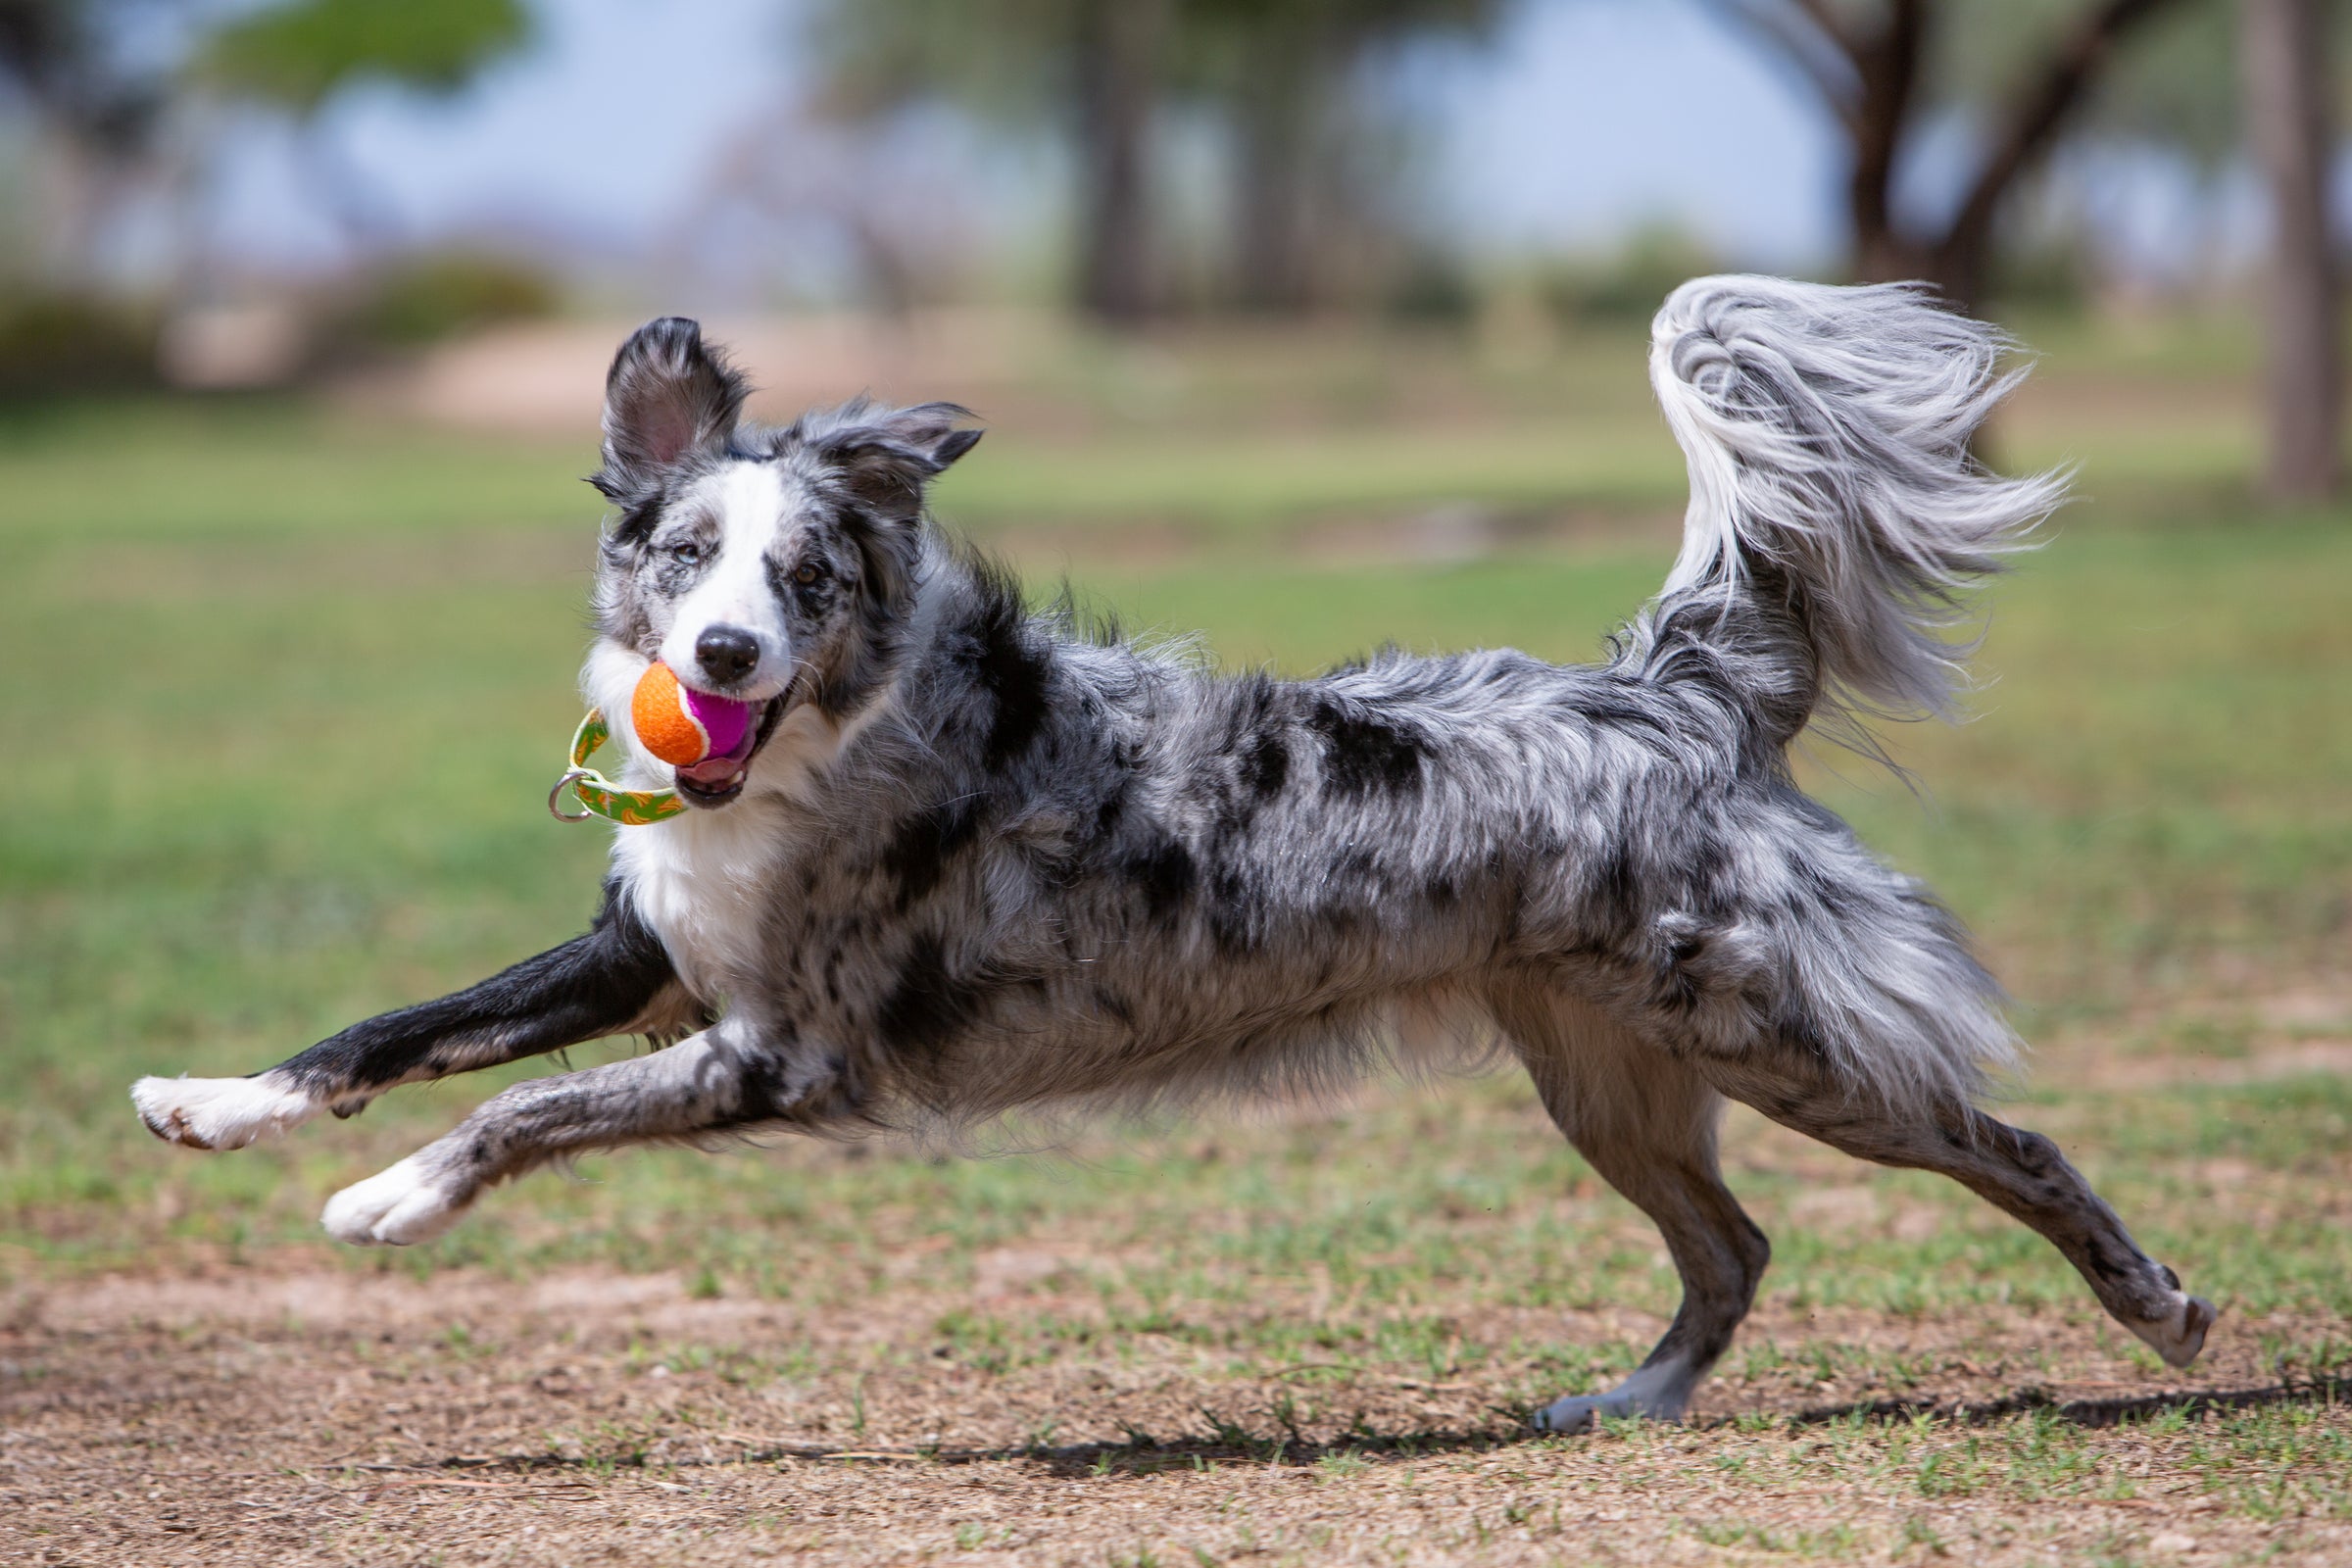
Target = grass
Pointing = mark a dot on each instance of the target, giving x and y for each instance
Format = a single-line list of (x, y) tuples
[(288, 691)]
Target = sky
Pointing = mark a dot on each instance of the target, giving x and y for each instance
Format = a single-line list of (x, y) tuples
[(1581, 122)]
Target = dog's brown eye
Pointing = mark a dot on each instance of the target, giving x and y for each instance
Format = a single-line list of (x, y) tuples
[(805, 575)]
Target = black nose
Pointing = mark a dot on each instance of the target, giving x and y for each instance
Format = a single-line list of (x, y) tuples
[(727, 654)]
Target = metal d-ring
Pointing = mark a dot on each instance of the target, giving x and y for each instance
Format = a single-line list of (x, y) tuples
[(571, 775)]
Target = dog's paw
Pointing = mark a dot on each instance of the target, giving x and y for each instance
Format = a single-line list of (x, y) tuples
[(220, 1113), (2179, 1337), (1580, 1412), (1661, 1392), (401, 1205)]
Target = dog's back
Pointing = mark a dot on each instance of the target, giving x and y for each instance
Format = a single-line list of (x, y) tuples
[(1133, 878)]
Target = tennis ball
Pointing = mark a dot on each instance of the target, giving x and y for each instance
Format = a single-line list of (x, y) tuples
[(681, 725)]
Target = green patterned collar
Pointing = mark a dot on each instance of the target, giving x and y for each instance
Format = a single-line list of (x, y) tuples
[(598, 795)]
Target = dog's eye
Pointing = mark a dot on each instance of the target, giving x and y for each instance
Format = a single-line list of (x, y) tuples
[(687, 551), (807, 574)]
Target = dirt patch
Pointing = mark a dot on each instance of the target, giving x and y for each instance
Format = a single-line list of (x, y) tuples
[(349, 1416)]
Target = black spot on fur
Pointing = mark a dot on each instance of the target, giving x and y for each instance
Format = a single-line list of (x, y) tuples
[(1113, 807), (637, 521), (1013, 673), (763, 1094), (1166, 875), (1266, 764), (1230, 909), (1363, 753), (1615, 900), (1797, 1026), (927, 1005), (919, 852)]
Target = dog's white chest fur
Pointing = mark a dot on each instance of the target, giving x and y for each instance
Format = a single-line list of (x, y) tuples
[(702, 882)]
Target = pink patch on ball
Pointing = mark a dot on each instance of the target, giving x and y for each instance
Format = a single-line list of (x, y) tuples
[(726, 720)]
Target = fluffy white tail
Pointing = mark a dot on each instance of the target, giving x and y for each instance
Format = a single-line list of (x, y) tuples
[(1828, 436)]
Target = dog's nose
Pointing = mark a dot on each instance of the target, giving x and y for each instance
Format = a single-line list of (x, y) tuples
[(726, 654)]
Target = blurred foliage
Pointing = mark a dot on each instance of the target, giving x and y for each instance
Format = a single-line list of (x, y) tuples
[(2173, 85), (299, 54), (423, 299), (1002, 61), (55, 344), (2172, 82), (64, 57), (1430, 285), (1627, 285), (2045, 271), (1309, 168)]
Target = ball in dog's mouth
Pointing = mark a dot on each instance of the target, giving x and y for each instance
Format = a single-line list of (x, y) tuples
[(718, 779)]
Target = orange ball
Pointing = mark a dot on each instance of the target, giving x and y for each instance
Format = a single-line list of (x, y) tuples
[(665, 725)]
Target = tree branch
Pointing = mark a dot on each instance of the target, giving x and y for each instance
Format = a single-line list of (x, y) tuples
[(1887, 62), (1826, 20), (2037, 112), (1805, 36)]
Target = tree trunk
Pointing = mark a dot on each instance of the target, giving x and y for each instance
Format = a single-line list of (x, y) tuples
[(1118, 47), (1274, 128), (2282, 48), (1887, 65)]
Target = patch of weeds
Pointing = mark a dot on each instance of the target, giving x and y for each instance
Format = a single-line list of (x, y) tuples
[(1917, 1532), (1340, 1466), (1953, 1472)]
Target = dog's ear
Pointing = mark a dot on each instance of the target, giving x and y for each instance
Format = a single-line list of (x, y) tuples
[(886, 461), (666, 397)]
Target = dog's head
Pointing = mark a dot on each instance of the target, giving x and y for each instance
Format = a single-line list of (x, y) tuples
[(772, 566)]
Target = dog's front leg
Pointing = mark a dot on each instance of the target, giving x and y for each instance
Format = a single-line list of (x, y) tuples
[(616, 979), (722, 1080)]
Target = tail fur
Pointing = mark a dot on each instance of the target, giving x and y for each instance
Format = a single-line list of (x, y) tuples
[(1827, 431)]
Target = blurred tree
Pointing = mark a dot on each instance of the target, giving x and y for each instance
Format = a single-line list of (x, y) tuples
[(2283, 56), (1277, 73), (299, 55), (97, 108), (1086, 69), (1283, 71), (2023, 71)]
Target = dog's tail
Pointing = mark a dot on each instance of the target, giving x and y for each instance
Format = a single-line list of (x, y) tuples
[(1833, 489)]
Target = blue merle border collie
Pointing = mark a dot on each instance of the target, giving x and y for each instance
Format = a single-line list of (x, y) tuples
[(982, 857)]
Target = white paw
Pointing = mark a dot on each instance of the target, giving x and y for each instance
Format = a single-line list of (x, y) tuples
[(2179, 1337), (395, 1207), (1581, 1412), (220, 1113), (1660, 1391)]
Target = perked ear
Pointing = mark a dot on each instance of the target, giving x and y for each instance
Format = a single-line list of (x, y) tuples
[(666, 397), (886, 461)]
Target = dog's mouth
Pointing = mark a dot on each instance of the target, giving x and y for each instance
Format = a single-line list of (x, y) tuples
[(715, 781)]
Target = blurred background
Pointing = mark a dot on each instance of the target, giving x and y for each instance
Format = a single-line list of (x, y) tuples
[(335, 194), (1308, 324)]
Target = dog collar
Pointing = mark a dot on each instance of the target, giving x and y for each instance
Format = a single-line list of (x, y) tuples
[(598, 795)]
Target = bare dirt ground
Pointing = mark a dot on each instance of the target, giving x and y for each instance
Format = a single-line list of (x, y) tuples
[(302, 1411)]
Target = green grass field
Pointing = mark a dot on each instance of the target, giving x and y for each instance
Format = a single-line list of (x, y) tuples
[(287, 690)]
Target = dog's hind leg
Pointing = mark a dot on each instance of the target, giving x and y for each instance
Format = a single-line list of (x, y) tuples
[(722, 1080), (1646, 1123), (2021, 1173), (616, 979)]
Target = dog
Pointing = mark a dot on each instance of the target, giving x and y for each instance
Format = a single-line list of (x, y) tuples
[(979, 857)]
